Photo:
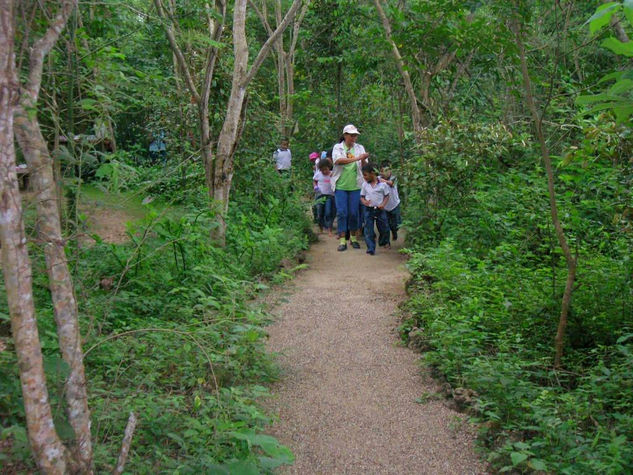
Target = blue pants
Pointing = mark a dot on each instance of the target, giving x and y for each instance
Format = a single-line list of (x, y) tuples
[(325, 208), (378, 216), (347, 215), (394, 218)]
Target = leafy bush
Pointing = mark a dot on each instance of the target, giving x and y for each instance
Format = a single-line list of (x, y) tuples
[(487, 278), (172, 332)]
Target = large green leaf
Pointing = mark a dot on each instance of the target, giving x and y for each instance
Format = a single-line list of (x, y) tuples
[(628, 10), (602, 16), (618, 47), (593, 98), (622, 86)]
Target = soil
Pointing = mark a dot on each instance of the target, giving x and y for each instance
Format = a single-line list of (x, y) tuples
[(106, 222), (346, 400)]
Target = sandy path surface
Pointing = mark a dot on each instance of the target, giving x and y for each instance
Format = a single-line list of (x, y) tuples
[(346, 400)]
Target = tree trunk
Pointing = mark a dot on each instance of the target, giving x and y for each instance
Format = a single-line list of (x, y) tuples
[(558, 227), (416, 116), (36, 153), (33, 145), (48, 450), (231, 128)]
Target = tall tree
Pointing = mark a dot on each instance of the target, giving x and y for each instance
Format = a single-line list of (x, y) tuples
[(36, 153), (416, 116), (200, 93), (537, 123), (285, 59), (219, 163), (50, 454)]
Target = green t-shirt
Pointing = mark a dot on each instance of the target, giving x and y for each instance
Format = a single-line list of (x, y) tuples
[(347, 180)]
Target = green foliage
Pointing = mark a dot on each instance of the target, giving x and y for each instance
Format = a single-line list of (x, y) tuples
[(173, 333), (617, 97), (487, 281)]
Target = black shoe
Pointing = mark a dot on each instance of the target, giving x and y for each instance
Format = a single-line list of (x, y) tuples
[(342, 247), (371, 253), (394, 235), (355, 245)]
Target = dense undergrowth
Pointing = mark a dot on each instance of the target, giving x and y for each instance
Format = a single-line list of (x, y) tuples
[(487, 281), (172, 332)]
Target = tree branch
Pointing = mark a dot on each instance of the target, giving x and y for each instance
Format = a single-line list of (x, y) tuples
[(177, 51), (43, 46), (265, 49), (125, 445)]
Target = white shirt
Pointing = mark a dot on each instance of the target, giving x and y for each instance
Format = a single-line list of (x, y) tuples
[(339, 152), (283, 159), (394, 198), (324, 183), (374, 194)]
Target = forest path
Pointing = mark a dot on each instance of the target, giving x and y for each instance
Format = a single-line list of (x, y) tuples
[(346, 399)]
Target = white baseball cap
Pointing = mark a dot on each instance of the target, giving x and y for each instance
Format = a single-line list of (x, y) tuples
[(350, 129)]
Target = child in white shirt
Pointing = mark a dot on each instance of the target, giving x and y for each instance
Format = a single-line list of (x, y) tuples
[(375, 196), (324, 196), (394, 219)]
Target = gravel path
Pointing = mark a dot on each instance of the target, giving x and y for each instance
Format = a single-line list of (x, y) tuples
[(346, 400)]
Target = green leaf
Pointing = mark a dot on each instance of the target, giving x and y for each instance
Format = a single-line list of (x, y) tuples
[(622, 86), (517, 458), (624, 338), (242, 467), (602, 16), (611, 76), (537, 464), (622, 113), (593, 98), (628, 10), (618, 47)]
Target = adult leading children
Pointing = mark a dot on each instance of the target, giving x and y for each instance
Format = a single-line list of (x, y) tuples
[(347, 179)]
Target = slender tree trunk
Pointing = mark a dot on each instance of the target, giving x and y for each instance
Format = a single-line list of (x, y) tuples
[(36, 153), (33, 145), (416, 116), (48, 450), (558, 227), (231, 128)]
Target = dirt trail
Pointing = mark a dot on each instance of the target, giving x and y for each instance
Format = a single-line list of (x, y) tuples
[(346, 401)]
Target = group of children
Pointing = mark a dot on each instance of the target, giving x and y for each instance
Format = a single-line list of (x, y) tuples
[(380, 202)]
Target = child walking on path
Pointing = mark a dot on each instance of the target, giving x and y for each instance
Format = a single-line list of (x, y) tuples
[(394, 219), (374, 195), (324, 199)]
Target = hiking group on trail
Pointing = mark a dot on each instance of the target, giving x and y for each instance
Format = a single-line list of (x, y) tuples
[(347, 185)]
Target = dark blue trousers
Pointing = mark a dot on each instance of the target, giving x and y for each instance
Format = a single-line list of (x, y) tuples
[(379, 218)]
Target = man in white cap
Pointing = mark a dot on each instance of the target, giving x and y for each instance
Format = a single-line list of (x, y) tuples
[(347, 179)]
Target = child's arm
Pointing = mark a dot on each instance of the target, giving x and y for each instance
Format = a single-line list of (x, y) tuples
[(385, 200), (364, 201)]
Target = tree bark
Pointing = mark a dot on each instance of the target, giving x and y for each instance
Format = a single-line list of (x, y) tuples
[(49, 232), (49, 452), (200, 96), (33, 145), (558, 227), (229, 135)]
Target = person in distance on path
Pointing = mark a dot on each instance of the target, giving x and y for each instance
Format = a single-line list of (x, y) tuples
[(283, 158), (347, 179), (375, 196)]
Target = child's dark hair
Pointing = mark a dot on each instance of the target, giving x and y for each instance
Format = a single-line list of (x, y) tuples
[(325, 163), (385, 165), (368, 168)]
